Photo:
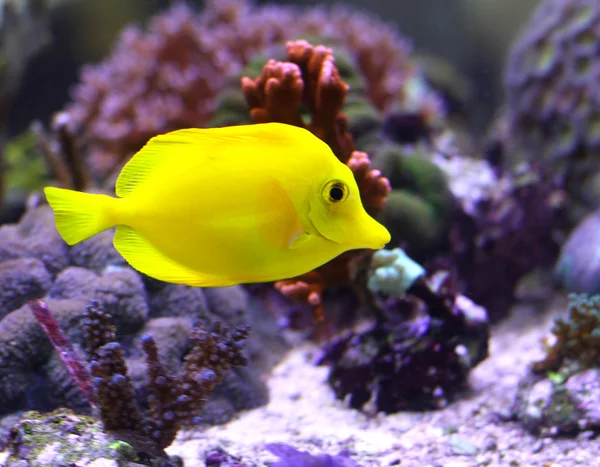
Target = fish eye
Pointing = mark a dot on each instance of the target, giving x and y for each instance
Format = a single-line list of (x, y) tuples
[(335, 192)]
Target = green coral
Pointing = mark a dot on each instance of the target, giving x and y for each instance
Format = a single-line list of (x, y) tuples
[(64, 438), (394, 272), (578, 336), (24, 171), (418, 210), (575, 341)]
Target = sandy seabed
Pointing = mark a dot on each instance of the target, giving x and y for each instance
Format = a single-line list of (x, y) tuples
[(303, 412)]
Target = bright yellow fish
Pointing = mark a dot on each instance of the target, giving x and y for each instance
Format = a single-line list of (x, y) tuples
[(222, 206)]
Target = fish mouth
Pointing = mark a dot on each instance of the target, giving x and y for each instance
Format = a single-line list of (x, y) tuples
[(359, 232), (371, 234)]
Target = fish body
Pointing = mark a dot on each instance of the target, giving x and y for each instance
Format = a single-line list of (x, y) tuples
[(223, 206)]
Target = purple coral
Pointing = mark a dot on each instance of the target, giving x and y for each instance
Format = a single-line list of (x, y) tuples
[(175, 400), (155, 81), (170, 75), (506, 235), (552, 112), (417, 354)]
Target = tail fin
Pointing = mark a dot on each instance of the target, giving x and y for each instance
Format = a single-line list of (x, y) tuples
[(79, 216)]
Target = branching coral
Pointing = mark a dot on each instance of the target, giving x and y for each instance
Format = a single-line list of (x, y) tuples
[(309, 80), (508, 234), (575, 339), (418, 352), (560, 396), (153, 82), (62, 153), (35, 263), (170, 75), (418, 209), (175, 400)]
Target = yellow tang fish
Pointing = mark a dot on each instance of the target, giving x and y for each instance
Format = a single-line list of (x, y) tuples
[(222, 206)]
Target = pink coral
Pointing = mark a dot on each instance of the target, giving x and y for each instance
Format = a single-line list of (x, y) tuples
[(170, 76), (153, 82)]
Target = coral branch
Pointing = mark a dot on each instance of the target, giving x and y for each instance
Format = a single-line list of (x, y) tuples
[(373, 187), (61, 152), (574, 338), (311, 81), (161, 420), (175, 400), (279, 83), (70, 151), (51, 155), (171, 74), (114, 392)]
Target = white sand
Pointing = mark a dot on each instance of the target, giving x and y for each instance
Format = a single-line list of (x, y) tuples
[(303, 412)]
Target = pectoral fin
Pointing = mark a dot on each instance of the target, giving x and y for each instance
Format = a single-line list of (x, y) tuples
[(299, 241), (278, 221)]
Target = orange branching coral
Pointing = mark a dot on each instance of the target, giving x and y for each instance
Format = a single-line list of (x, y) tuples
[(372, 186), (170, 74), (310, 80), (382, 56)]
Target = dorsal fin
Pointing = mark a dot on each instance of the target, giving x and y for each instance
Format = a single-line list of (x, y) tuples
[(204, 142), (155, 152)]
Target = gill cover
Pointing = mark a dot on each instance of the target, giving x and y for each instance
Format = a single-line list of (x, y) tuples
[(332, 208)]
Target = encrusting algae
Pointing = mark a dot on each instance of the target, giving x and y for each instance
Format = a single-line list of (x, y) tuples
[(194, 207)]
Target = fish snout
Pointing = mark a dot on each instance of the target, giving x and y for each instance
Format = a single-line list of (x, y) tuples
[(369, 233)]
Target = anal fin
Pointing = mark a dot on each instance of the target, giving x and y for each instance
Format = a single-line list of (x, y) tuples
[(145, 258)]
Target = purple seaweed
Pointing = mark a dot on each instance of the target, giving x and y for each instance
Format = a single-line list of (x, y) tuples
[(64, 348)]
